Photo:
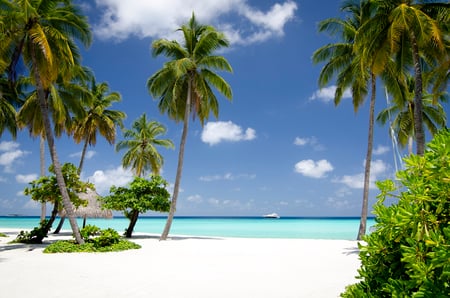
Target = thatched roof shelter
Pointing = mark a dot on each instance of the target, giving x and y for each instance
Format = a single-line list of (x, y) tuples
[(93, 208)]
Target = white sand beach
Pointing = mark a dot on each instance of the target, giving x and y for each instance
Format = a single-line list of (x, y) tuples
[(182, 267)]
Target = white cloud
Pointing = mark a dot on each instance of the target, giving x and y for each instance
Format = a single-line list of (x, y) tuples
[(103, 180), (312, 141), (338, 203), (380, 150), (89, 154), (8, 146), (195, 199), (227, 176), (26, 178), (215, 132), (10, 155), (313, 169), (327, 94), (377, 169), (160, 18)]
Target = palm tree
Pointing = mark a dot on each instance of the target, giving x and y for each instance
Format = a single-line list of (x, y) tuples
[(44, 35), (183, 85), (353, 72), (97, 118), (141, 141), (7, 109), (406, 26), (62, 99), (401, 114), (142, 154)]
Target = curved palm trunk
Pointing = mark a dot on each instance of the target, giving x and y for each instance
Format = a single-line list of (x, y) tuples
[(83, 153), (176, 187), (418, 117), (42, 170), (55, 160), (365, 203)]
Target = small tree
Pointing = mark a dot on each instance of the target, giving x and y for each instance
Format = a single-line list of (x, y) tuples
[(46, 190), (408, 253), (142, 195)]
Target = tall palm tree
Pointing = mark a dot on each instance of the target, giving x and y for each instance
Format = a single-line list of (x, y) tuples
[(353, 72), (7, 108), (401, 114), (62, 99), (141, 141), (44, 35), (97, 118), (183, 85), (406, 26)]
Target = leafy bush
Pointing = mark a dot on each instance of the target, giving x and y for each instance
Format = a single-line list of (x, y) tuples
[(34, 236), (89, 231), (408, 254), (69, 246), (3, 235), (107, 240)]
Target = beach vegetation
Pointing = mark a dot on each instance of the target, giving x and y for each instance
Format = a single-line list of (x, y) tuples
[(46, 189), (44, 36), (408, 253), (141, 143), (96, 240), (184, 85), (140, 196), (3, 235)]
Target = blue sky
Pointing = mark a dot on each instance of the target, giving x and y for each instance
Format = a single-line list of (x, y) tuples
[(280, 146)]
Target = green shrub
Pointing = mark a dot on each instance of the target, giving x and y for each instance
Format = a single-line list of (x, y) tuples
[(106, 240), (107, 237), (408, 254), (3, 235), (70, 246), (89, 231), (33, 236)]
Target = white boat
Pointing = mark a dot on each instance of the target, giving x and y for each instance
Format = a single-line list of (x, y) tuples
[(271, 215)]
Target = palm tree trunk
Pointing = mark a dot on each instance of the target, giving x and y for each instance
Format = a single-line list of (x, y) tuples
[(54, 156), (83, 153), (42, 170), (176, 187), (418, 118), (365, 203)]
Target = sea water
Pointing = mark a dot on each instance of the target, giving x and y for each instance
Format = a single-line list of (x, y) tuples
[(248, 227)]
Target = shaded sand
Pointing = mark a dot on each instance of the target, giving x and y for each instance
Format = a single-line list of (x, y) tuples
[(182, 267)]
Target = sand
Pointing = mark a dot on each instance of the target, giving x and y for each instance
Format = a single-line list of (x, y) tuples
[(182, 267)]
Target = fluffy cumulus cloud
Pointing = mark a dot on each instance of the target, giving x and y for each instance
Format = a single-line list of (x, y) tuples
[(380, 150), (227, 176), (309, 141), (313, 169), (10, 154), (216, 132), (26, 178), (378, 168), (89, 154), (327, 94), (103, 180), (160, 18)]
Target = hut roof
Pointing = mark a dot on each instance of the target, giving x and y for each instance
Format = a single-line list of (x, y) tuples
[(93, 208)]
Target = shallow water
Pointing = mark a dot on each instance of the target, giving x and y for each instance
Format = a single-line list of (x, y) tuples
[(248, 227)]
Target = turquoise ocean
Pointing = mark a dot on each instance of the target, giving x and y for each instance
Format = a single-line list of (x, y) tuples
[(343, 228)]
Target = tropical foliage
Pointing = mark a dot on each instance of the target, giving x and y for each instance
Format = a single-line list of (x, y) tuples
[(184, 84), (141, 196), (408, 253), (96, 240), (97, 118), (141, 141), (44, 35), (46, 189)]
